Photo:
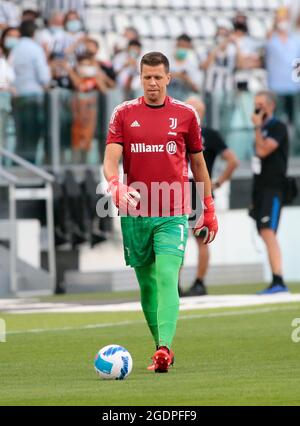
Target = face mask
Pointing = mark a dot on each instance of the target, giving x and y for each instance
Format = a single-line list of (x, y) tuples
[(283, 26), (73, 26), (221, 39), (55, 30), (240, 26), (133, 54), (181, 54), (10, 42), (87, 71)]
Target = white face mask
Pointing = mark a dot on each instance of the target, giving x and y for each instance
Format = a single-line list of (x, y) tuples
[(221, 39), (87, 71), (283, 26)]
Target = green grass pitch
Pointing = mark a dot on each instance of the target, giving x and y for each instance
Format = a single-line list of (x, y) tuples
[(233, 356)]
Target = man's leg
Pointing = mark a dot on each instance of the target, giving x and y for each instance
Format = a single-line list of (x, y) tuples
[(203, 259), (146, 276), (167, 272), (198, 287), (159, 297), (273, 249)]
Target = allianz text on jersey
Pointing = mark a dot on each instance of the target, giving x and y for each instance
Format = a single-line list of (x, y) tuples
[(170, 148)]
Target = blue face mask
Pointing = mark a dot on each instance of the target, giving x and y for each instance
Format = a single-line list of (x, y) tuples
[(73, 26), (181, 54), (10, 42), (55, 30)]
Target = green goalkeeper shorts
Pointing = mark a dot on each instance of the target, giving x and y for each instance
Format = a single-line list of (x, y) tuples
[(146, 237)]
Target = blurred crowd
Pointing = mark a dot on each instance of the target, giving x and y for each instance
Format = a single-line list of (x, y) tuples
[(43, 50)]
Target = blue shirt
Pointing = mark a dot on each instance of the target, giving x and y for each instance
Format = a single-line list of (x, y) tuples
[(280, 57), (31, 68)]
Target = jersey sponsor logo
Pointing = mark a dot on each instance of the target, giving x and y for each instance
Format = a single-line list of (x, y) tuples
[(142, 147), (171, 147), (135, 124), (173, 124)]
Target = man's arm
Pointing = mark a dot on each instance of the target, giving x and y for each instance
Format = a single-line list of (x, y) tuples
[(200, 173), (231, 164), (207, 225), (113, 155), (264, 146), (124, 196)]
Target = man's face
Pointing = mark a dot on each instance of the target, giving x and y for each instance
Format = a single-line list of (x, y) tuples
[(264, 105), (155, 81)]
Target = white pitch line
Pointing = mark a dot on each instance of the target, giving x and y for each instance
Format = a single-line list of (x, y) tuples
[(186, 304), (182, 318)]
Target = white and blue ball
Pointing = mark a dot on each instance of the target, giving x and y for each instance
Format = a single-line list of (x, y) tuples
[(113, 362)]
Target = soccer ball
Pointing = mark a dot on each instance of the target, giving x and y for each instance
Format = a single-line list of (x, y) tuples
[(113, 362)]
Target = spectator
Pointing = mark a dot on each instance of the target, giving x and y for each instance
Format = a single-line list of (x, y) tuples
[(87, 80), (32, 78), (126, 66), (30, 15), (129, 34), (8, 41), (220, 62), (54, 38), (92, 48), (184, 70), (248, 50), (9, 15), (269, 172), (75, 32), (282, 48), (73, 24), (48, 6)]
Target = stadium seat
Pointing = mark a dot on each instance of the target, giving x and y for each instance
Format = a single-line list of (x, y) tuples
[(159, 28), (141, 23), (161, 4), (175, 25), (112, 3), (121, 21), (208, 26), (227, 5), (243, 5), (95, 3), (129, 4), (212, 5), (178, 4), (274, 4), (195, 4), (146, 4), (96, 21), (260, 5), (257, 27), (192, 27)]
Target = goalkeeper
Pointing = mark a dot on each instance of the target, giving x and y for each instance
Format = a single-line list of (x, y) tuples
[(156, 135)]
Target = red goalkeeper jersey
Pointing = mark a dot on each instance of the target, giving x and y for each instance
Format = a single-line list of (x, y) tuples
[(156, 142)]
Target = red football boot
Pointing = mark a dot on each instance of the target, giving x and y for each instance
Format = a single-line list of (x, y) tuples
[(161, 360)]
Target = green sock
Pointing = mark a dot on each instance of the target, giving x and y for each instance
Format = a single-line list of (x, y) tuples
[(167, 273), (146, 276)]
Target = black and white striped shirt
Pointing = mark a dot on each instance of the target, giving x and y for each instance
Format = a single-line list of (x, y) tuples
[(49, 6), (9, 14)]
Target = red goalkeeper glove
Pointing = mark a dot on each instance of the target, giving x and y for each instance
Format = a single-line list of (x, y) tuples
[(207, 224), (123, 196)]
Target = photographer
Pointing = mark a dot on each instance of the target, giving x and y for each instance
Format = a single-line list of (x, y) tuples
[(269, 168)]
